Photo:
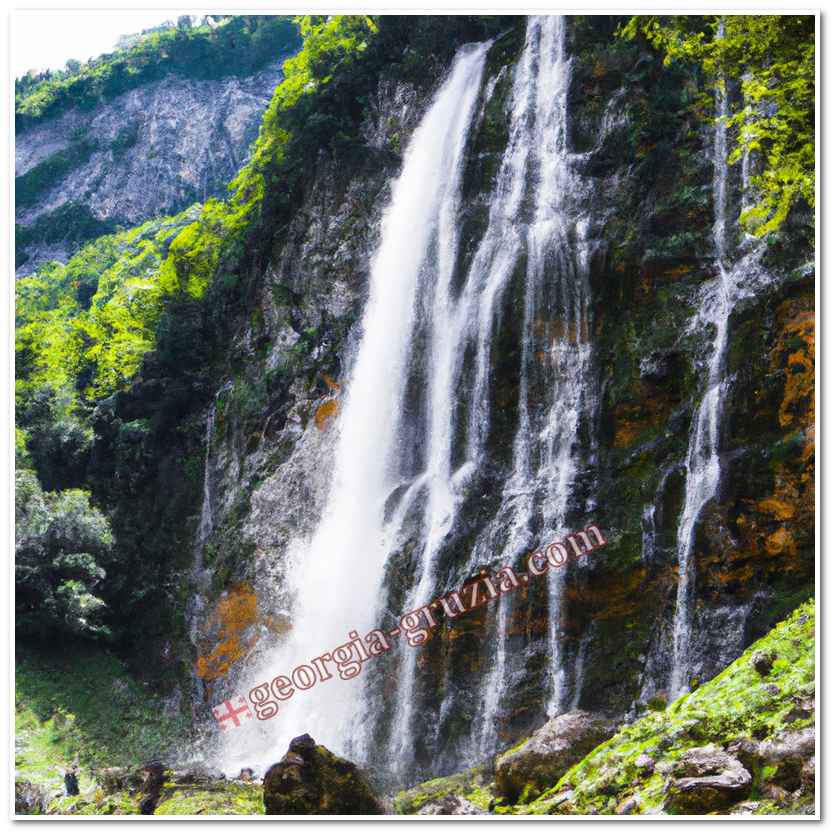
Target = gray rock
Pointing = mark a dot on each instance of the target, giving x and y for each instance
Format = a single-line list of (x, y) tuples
[(628, 806), (645, 763), (762, 662), (30, 798), (706, 779), (549, 753), (808, 774), (450, 805), (187, 139)]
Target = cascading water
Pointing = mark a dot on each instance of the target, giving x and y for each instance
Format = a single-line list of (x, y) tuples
[(527, 215), (336, 576), (733, 282), (555, 358), (702, 461)]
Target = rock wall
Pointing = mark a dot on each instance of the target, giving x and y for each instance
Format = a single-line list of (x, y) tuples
[(641, 137), (150, 151)]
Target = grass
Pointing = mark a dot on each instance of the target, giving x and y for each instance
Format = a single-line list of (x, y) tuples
[(81, 703)]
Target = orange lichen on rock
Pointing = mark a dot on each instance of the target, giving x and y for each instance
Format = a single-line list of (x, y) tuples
[(777, 508), (795, 352), (235, 612), (780, 542), (325, 411), (330, 382)]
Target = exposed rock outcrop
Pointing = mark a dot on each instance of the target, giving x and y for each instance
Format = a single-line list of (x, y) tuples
[(151, 151)]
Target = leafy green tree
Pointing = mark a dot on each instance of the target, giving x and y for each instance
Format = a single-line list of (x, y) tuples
[(771, 58), (62, 545)]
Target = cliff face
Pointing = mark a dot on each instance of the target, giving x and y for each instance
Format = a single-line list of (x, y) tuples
[(148, 152), (641, 146)]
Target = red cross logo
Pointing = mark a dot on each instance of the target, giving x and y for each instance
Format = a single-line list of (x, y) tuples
[(231, 711)]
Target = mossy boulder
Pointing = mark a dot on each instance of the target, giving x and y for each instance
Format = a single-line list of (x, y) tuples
[(310, 779), (527, 770)]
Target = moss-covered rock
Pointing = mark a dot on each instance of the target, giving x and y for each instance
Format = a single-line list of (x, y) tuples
[(311, 780), (215, 798), (471, 786), (525, 771)]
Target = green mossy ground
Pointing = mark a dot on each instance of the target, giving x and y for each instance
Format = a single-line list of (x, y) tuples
[(82, 704), (219, 798), (470, 784), (737, 703)]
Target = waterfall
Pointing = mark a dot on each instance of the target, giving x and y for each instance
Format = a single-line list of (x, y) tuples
[(734, 281), (702, 461), (337, 576), (527, 215), (555, 350)]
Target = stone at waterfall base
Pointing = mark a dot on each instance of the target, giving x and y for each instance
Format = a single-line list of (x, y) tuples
[(524, 772), (310, 779)]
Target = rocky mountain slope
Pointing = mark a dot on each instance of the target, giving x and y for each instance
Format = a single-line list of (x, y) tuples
[(173, 139)]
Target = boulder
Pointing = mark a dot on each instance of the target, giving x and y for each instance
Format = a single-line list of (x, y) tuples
[(111, 780), (30, 798), (524, 772), (450, 805), (763, 662), (645, 764), (628, 806), (197, 773), (312, 780), (706, 779)]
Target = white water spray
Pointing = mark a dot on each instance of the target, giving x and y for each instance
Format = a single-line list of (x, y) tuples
[(337, 574)]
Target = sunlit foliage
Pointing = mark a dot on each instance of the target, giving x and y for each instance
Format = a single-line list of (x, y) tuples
[(771, 58)]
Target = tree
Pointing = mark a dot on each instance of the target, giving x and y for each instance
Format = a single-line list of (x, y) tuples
[(62, 544), (771, 58)]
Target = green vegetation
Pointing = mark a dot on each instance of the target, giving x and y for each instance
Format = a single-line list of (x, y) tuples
[(739, 702), (80, 704), (771, 58), (71, 222), (470, 784), (238, 46), (62, 546), (29, 186), (84, 327), (219, 798)]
